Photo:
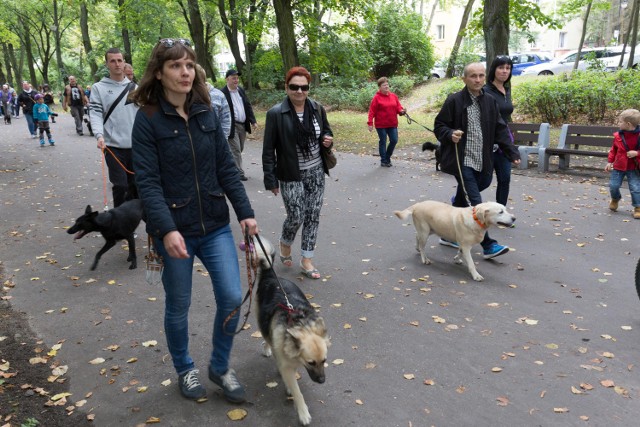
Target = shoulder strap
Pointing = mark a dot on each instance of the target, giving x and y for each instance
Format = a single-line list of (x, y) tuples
[(126, 90), (626, 147)]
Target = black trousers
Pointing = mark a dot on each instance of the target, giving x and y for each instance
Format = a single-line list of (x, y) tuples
[(124, 187)]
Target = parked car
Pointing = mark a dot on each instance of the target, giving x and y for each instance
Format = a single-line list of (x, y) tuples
[(564, 64), (438, 73), (524, 60)]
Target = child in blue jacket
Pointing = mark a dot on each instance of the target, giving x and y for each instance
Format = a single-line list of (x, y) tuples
[(41, 113)]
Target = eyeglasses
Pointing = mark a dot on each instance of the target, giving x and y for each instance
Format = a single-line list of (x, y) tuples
[(295, 88), (172, 42)]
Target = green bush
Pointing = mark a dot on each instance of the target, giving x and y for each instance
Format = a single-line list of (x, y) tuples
[(448, 87), (579, 97)]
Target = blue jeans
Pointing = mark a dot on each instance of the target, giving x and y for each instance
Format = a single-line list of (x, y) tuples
[(502, 166), (217, 251), (633, 178), (386, 151), (474, 182), (30, 124)]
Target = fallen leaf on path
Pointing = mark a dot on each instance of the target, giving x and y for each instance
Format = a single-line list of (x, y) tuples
[(409, 376), (237, 414), (97, 361), (502, 401), (607, 383)]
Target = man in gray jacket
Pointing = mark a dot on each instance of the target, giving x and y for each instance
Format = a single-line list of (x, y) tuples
[(112, 116)]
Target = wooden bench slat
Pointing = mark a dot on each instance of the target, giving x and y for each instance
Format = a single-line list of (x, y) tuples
[(578, 140), (529, 137)]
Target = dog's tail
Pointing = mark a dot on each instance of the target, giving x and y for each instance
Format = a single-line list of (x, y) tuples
[(404, 214), (430, 146)]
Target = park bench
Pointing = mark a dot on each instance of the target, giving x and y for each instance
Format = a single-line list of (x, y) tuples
[(529, 137), (577, 140)]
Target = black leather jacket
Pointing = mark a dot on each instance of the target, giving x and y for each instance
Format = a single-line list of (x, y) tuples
[(279, 154), (453, 116), (184, 170)]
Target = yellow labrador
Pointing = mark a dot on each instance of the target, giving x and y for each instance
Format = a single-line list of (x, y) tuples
[(465, 226)]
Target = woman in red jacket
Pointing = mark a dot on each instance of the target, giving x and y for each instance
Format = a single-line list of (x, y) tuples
[(384, 110)]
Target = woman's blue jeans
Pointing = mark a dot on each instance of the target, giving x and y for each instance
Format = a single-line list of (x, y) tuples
[(502, 166), (217, 252), (387, 151), (30, 124), (633, 178), (474, 182)]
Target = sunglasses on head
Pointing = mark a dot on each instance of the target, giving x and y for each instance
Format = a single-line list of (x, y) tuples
[(503, 57), (172, 42), (295, 88)]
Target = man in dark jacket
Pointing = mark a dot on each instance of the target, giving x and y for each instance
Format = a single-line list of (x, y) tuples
[(467, 126), (26, 100), (242, 117)]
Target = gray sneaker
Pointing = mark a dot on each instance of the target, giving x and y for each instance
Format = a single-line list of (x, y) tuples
[(190, 386), (231, 387), (449, 243)]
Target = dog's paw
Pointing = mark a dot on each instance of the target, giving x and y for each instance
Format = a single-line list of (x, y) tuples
[(266, 349), (478, 278), (458, 260), (304, 416)]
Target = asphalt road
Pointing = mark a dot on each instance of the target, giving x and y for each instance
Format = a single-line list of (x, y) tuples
[(551, 337)]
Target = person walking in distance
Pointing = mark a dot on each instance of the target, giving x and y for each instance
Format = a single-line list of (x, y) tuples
[(27, 99), (242, 117), (75, 99), (112, 116), (384, 110)]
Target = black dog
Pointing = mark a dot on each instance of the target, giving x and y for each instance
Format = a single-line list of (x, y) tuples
[(115, 224), (7, 119), (436, 148)]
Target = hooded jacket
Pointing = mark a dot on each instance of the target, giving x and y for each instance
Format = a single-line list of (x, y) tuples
[(117, 130), (184, 170)]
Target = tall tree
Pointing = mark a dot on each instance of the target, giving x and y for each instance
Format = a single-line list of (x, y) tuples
[(583, 34), (191, 13), (124, 29), (86, 39), (286, 34), (635, 12), (461, 32), (496, 28), (57, 34)]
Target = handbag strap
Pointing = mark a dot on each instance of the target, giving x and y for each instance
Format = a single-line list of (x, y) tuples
[(626, 147), (126, 90)]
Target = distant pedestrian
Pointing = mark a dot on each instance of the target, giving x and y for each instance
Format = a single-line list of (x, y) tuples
[(7, 101), (128, 71), (41, 114), (112, 116), (75, 99), (26, 100), (383, 114), (242, 118), (623, 160), (49, 99), (218, 102)]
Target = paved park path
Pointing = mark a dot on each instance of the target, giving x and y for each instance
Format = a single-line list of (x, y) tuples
[(551, 337)]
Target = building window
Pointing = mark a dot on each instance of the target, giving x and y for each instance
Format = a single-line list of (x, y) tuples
[(440, 30), (562, 40)]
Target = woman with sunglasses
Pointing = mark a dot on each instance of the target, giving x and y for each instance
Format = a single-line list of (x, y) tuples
[(499, 87), (293, 163), (383, 112), (183, 170)]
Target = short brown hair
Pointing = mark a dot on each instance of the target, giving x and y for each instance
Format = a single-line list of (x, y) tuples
[(631, 115), (382, 80), (298, 71), (113, 50)]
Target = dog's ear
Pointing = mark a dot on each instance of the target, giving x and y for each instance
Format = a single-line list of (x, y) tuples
[(319, 328), (481, 213), (88, 209)]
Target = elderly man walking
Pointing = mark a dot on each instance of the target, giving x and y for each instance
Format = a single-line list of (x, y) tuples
[(26, 99), (467, 126)]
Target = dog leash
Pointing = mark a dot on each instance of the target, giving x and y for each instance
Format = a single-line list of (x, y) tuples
[(410, 121), (104, 175), (466, 196)]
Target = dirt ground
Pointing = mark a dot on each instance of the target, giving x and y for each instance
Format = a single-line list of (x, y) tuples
[(25, 390)]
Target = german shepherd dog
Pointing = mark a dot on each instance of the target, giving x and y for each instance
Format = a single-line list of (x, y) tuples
[(296, 336), (115, 224)]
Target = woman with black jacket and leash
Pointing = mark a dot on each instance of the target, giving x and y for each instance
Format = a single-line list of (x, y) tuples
[(184, 169)]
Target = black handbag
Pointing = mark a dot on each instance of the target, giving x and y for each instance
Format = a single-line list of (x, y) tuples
[(330, 158)]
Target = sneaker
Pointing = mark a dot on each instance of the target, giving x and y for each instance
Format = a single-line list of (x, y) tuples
[(244, 178), (445, 242), (52, 142), (190, 386), (42, 143), (231, 387), (495, 250)]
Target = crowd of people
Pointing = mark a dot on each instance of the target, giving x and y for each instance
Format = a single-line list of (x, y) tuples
[(176, 142)]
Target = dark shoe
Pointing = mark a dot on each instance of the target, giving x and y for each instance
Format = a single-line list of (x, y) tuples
[(495, 250), (231, 387), (190, 386), (81, 133), (445, 242), (244, 178)]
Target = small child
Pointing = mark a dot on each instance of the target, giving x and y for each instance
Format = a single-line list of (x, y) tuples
[(41, 113), (623, 160)]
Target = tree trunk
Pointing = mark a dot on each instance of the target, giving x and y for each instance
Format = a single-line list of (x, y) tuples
[(8, 64), (196, 29), (634, 38), (313, 37), (27, 48), (456, 46), (583, 35), (3, 77), (231, 31), (286, 35), (57, 34), (17, 66), (433, 12), (496, 29), (86, 39), (126, 41)]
